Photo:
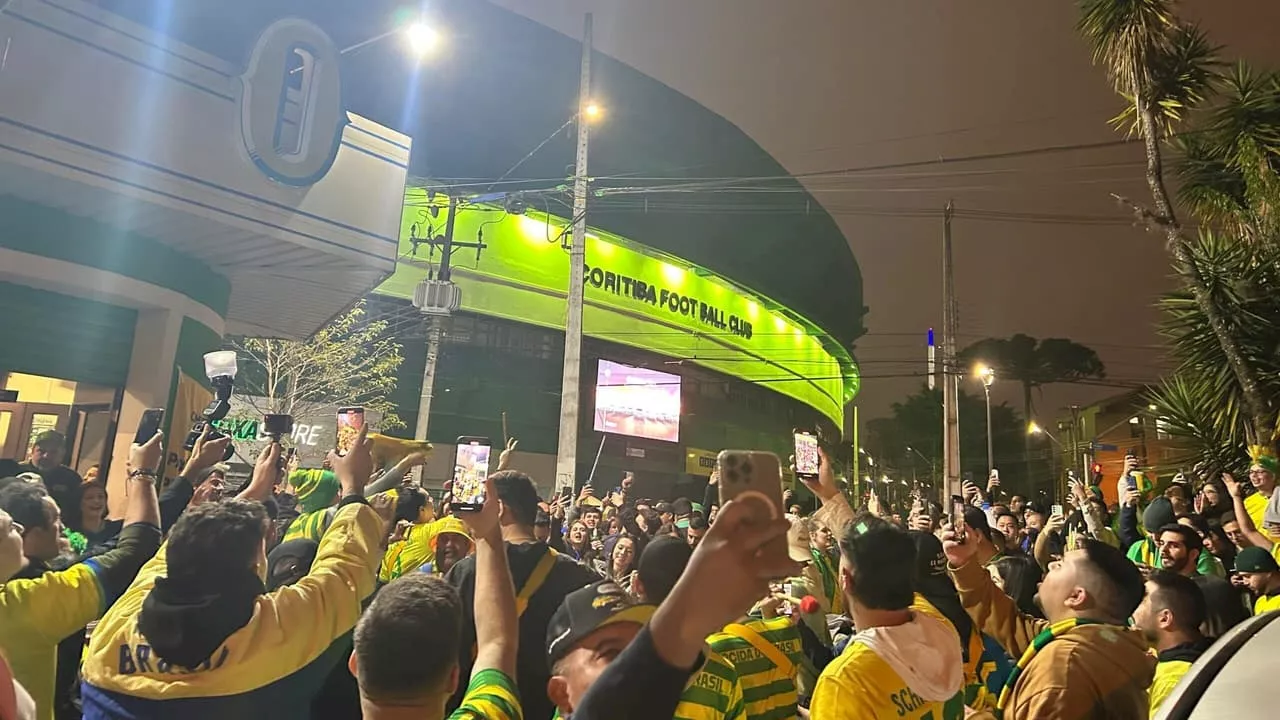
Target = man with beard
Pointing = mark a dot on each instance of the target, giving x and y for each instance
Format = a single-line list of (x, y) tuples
[(1170, 617), (1180, 549)]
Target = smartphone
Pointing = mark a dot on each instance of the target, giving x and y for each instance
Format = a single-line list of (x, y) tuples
[(149, 425), (350, 422), (786, 608), (470, 469), (807, 459), (957, 518), (277, 425), (756, 478), (1055, 510)]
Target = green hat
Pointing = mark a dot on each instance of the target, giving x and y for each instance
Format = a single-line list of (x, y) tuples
[(50, 437), (1255, 560), (315, 488)]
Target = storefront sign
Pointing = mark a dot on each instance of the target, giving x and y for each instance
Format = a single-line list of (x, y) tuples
[(699, 462)]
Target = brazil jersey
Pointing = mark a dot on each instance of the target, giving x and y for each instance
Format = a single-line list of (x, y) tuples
[(490, 696), (768, 691), (860, 684), (714, 692), (35, 615), (1256, 506)]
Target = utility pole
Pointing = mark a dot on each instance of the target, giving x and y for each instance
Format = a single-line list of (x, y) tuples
[(950, 373), (438, 298), (570, 396)]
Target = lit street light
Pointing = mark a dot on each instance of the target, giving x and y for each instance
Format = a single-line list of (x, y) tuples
[(988, 376), (1035, 429)]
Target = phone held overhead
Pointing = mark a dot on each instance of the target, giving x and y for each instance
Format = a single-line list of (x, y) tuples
[(350, 423), (808, 460), (755, 478), (470, 470)]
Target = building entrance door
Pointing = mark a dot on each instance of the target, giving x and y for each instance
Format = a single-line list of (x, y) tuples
[(21, 422)]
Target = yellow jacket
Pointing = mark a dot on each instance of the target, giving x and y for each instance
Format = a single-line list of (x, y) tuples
[(275, 661)]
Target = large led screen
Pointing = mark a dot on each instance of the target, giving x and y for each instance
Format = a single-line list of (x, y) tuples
[(637, 402)]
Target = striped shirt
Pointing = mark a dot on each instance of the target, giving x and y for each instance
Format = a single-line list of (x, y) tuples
[(490, 696), (768, 691), (713, 693), (311, 526)]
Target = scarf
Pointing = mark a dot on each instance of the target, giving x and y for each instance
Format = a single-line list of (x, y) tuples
[(186, 619), (1046, 636), (830, 586)]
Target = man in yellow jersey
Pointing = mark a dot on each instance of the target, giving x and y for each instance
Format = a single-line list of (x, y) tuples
[(1246, 531), (1170, 617), (716, 690), (197, 636), (38, 610), (418, 549), (1261, 574), (905, 661), (1084, 662), (1262, 475), (407, 642)]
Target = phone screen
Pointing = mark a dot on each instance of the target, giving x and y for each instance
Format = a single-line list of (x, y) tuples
[(148, 425), (807, 459), (957, 518), (786, 608), (1056, 510), (350, 422), (470, 469)]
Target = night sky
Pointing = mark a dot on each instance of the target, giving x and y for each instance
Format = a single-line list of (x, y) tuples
[(832, 84)]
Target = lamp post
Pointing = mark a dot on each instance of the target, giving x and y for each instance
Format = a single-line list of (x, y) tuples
[(988, 376)]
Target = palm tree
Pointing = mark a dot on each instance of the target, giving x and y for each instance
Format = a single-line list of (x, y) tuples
[(1165, 67)]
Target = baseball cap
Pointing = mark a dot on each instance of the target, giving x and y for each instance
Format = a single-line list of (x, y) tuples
[(50, 437), (1255, 560), (584, 611), (931, 565)]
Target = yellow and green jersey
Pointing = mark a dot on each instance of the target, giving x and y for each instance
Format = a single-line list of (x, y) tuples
[(860, 684), (1166, 679), (490, 696), (1256, 506), (768, 691), (35, 615), (311, 526), (713, 693), (414, 551)]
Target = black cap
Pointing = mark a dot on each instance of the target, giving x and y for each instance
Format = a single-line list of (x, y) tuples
[(661, 565), (587, 610), (931, 566)]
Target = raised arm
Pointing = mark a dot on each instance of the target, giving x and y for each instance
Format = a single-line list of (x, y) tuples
[(497, 626), (1243, 518)]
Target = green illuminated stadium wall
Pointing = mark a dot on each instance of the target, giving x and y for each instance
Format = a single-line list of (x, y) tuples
[(522, 275)]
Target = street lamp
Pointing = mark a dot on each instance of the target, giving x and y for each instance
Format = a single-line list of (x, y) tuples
[(1035, 429), (987, 375)]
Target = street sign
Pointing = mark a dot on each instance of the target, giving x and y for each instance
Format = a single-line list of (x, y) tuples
[(1103, 447)]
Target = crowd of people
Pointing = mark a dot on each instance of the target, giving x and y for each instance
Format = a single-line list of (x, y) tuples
[(349, 591)]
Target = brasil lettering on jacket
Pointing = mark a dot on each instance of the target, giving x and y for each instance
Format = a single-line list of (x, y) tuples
[(139, 658)]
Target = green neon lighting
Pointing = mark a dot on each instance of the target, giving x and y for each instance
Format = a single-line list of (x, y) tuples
[(635, 296)]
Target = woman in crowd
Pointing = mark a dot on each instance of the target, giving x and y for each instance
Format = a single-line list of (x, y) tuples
[(622, 553), (1019, 577), (93, 515)]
